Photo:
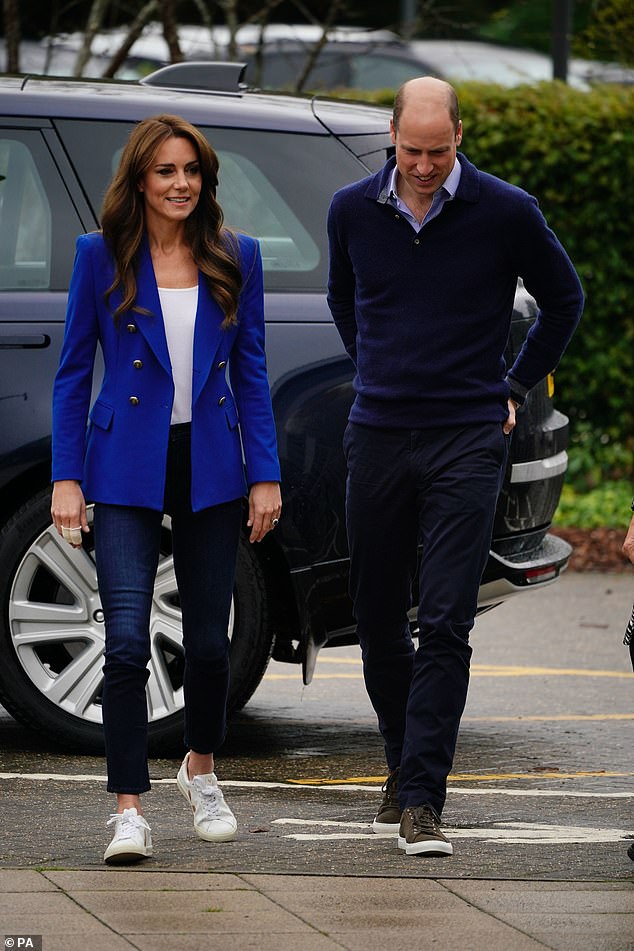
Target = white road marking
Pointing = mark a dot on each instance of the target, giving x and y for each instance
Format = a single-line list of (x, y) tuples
[(347, 787), (567, 794), (507, 833)]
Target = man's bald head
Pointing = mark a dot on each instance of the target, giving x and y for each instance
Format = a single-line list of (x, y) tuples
[(424, 93)]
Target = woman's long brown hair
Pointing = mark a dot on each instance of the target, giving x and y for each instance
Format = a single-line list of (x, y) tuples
[(214, 248)]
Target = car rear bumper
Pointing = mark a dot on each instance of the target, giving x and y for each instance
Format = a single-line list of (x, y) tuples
[(508, 575)]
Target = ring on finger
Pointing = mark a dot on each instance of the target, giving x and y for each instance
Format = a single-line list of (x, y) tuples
[(275, 522), (72, 535)]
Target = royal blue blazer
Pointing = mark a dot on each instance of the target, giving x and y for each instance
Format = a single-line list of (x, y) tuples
[(117, 449)]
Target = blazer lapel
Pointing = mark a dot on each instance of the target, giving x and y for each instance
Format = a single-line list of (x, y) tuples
[(207, 336), (151, 325)]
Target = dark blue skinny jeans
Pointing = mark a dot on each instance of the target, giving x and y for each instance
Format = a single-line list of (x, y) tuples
[(438, 487), (205, 543)]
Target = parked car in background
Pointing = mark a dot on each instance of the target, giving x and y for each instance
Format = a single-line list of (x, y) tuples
[(281, 159), (340, 64), (56, 56), (380, 63), (352, 57), (470, 60)]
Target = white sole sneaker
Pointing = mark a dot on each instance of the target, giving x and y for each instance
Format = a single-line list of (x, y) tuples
[(213, 819), (386, 828), (429, 847), (132, 840)]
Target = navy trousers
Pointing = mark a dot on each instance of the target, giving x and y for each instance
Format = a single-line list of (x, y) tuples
[(438, 487), (204, 547)]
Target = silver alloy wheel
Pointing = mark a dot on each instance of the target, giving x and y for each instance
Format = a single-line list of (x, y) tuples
[(57, 629)]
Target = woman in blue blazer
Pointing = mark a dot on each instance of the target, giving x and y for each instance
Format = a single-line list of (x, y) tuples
[(174, 300)]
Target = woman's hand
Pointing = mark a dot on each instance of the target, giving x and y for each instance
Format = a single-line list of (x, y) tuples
[(68, 510), (265, 507)]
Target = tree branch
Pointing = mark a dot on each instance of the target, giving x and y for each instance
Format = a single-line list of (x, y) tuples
[(136, 28), (170, 30), (95, 20), (311, 59), (12, 34)]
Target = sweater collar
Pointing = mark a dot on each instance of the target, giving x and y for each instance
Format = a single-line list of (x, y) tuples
[(378, 187)]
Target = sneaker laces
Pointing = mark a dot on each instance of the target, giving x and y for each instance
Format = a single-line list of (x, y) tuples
[(423, 819), (128, 824), (390, 789), (211, 799)]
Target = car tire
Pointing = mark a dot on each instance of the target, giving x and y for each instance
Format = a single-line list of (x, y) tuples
[(52, 635)]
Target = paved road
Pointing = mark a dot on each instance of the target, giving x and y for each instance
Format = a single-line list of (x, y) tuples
[(541, 789)]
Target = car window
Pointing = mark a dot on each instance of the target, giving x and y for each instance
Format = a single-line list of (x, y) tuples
[(25, 220), (281, 68), (275, 186), (38, 224), (253, 204), (377, 71)]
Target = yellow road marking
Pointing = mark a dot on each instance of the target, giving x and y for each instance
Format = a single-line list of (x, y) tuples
[(297, 676), (477, 670), (501, 670), (472, 777)]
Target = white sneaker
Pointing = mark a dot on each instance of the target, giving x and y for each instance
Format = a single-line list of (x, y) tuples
[(132, 839), (213, 819)]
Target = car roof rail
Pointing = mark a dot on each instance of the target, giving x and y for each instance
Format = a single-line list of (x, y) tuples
[(205, 75)]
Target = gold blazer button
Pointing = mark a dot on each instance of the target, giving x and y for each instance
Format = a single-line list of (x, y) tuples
[(134, 400)]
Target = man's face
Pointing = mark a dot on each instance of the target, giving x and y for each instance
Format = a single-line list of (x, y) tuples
[(426, 143)]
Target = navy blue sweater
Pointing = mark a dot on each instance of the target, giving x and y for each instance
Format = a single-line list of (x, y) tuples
[(425, 317)]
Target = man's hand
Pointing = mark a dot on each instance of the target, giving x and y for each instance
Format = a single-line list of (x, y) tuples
[(265, 507), (509, 425)]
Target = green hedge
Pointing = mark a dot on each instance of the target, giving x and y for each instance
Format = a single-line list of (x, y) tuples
[(608, 505), (575, 152)]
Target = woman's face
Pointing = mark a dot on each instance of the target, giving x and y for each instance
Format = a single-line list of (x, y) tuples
[(171, 186)]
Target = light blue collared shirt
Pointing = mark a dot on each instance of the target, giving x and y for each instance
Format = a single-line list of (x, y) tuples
[(446, 192)]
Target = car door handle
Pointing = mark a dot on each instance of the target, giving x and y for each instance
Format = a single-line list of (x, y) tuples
[(24, 341)]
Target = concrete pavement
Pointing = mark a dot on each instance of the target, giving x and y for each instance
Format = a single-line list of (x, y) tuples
[(114, 910)]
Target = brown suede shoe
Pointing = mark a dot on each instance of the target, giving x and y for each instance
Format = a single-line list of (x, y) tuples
[(420, 833), (388, 818)]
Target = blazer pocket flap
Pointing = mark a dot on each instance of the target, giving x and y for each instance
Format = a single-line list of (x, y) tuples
[(232, 415), (101, 414)]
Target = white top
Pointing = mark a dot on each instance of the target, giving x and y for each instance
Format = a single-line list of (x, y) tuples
[(179, 305)]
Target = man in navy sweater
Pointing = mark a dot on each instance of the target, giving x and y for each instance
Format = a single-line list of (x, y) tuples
[(424, 262)]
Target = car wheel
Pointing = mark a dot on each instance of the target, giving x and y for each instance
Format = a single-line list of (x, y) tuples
[(52, 634)]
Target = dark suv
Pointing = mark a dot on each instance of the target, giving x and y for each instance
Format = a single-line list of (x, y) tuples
[(281, 160)]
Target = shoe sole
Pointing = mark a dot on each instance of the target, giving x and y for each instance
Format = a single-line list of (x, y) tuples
[(431, 848), (126, 856), (222, 837), (207, 837), (386, 828)]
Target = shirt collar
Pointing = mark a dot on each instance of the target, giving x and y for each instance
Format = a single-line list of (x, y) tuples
[(450, 184)]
